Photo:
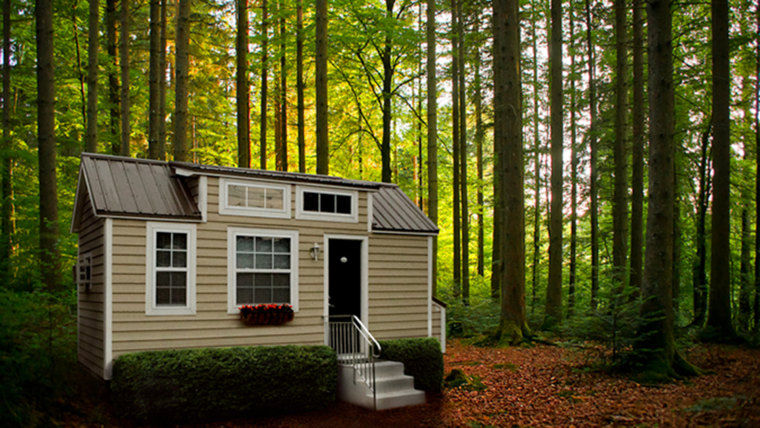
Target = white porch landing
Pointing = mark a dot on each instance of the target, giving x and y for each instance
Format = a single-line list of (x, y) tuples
[(393, 388)]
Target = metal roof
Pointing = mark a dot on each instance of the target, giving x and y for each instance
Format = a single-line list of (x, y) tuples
[(121, 186), (128, 187), (393, 211)]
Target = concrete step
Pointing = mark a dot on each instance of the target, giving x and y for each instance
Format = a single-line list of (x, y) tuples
[(392, 400), (388, 369), (396, 383)]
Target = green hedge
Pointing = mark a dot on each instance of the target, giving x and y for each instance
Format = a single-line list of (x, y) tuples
[(422, 359), (202, 384)]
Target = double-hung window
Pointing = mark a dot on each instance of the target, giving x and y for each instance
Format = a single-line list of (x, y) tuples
[(170, 269), (254, 199), (262, 267)]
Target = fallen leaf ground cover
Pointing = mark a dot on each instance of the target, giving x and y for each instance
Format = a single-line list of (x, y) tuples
[(554, 386)]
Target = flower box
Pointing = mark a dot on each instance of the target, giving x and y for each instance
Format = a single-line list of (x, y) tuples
[(266, 314)]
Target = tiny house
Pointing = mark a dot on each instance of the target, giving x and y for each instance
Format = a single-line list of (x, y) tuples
[(169, 251)]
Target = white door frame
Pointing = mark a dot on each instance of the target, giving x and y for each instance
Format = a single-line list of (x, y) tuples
[(364, 274)]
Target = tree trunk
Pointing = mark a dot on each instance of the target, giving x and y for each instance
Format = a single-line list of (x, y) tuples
[(593, 185), (477, 100), (6, 241), (637, 162), (49, 255), (385, 148), (323, 152), (264, 70), (300, 87), (154, 71), (432, 135), (509, 162), (536, 167), (676, 231), (242, 88), (91, 137), (620, 155), (656, 344), (463, 153), (181, 65), (573, 173), (455, 142), (113, 80), (126, 130), (162, 85), (554, 286), (699, 271), (719, 313), (757, 178), (282, 150)]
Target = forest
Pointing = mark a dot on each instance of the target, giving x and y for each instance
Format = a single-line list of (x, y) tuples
[(593, 166)]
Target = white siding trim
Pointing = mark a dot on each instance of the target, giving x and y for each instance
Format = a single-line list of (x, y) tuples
[(394, 232), (151, 228), (364, 292), (203, 197), (232, 307), (430, 286), (108, 299), (370, 211)]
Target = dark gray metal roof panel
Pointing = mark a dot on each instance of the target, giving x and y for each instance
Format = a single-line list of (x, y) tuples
[(393, 211), (130, 187)]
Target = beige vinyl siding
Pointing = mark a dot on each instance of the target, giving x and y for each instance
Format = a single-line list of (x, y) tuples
[(212, 325), (90, 335), (398, 286)]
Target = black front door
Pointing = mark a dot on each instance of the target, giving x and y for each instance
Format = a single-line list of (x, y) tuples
[(344, 277)]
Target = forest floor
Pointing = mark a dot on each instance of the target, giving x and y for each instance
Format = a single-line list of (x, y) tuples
[(540, 386)]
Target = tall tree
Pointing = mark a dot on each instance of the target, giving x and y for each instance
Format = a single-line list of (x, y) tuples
[(126, 129), (6, 223), (264, 69), (656, 344), (49, 256), (719, 310), (323, 153), (154, 70), (477, 101), (554, 287), (699, 270), (620, 152), (162, 84), (456, 148), (242, 88), (282, 150), (637, 158), (300, 87), (463, 153), (536, 163), (181, 66), (91, 137), (113, 80), (432, 124), (573, 170), (593, 185), (509, 164), (757, 176)]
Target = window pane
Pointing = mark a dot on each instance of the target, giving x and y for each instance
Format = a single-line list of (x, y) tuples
[(281, 279), (245, 280), (263, 261), (263, 245), (281, 295), (179, 279), (163, 279), (282, 245), (326, 203), (262, 280), (180, 259), (180, 241), (256, 197), (310, 201), (163, 296), (235, 196), (274, 199), (282, 261), (164, 240), (163, 258), (263, 295), (245, 261), (244, 295), (178, 296), (244, 243), (344, 204)]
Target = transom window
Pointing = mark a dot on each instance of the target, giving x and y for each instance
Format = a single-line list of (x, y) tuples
[(249, 199), (327, 204), (170, 270), (262, 267)]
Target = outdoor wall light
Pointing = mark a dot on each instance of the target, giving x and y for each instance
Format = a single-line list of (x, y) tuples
[(314, 251)]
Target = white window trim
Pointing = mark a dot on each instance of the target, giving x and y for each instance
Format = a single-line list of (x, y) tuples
[(84, 259), (225, 209), (152, 228), (332, 217), (232, 233)]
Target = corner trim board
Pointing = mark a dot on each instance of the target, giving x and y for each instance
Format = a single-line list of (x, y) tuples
[(108, 300)]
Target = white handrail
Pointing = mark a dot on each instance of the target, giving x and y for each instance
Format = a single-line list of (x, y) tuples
[(355, 346)]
